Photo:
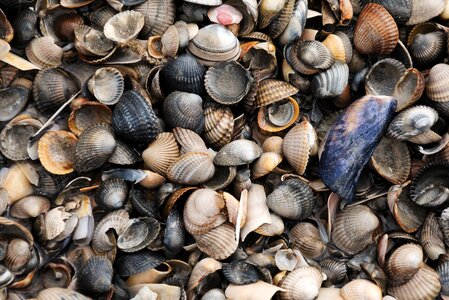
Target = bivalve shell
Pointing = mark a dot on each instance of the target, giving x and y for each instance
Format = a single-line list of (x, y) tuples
[(437, 83), (219, 242), (361, 289), (56, 150), (161, 153), (303, 283), (44, 53), (158, 15), (273, 90), (185, 110), (332, 82), (107, 85), (238, 152), (219, 126), (192, 168), (124, 26)]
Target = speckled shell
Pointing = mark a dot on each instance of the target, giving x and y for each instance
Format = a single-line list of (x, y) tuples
[(302, 283), (219, 126), (273, 90), (184, 110), (159, 15), (365, 121), (219, 242), (332, 82), (161, 153), (192, 168), (437, 85)]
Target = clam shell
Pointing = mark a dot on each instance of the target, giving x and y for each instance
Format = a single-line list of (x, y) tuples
[(124, 26), (219, 242), (437, 83), (95, 145), (429, 187), (268, 11), (75, 3), (91, 42), (291, 199), (432, 237), (227, 82), (266, 163), (302, 283), (174, 235), (223, 177), (56, 151), (331, 83), (361, 289), (272, 90), (139, 234), (87, 113), (296, 24), (95, 276), (314, 55), (276, 227), (155, 46), (44, 53), (273, 144), (353, 228), (100, 16), (189, 140), (55, 222), (259, 290), (201, 269), (161, 153), (399, 10), (12, 101), (278, 25), (404, 262), (442, 270), (117, 220), (158, 14), (111, 194), (305, 237), (409, 88), (225, 15), (134, 263), (30, 207), (192, 168), (335, 269), (240, 272), (133, 118), (184, 110), (124, 155), (286, 259), (422, 12), (279, 115), (444, 225), (107, 85), (17, 255), (339, 46), (383, 77), (427, 49), (218, 127), (237, 153), (376, 31), (56, 293), (170, 41)]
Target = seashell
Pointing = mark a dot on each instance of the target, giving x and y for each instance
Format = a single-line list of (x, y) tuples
[(16, 185), (305, 237), (361, 289), (339, 46), (400, 11), (276, 227), (24, 28), (52, 87), (117, 220), (425, 284), (96, 276), (13, 99), (75, 3), (409, 88), (91, 42), (437, 82), (155, 46), (422, 12), (138, 262), (170, 41), (291, 199), (257, 209), (111, 194), (55, 222), (272, 90), (227, 82), (223, 177), (279, 115), (237, 153), (335, 269), (259, 290), (17, 255), (138, 234), (302, 283), (161, 153), (240, 272), (158, 14), (124, 155), (219, 242), (174, 235), (56, 151), (299, 143), (376, 82), (427, 48), (203, 211), (44, 53), (376, 31), (186, 32), (30, 207), (183, 74), (87, 113), (429, 188), (184, 110), (214, 294), (141, 129), (391, 160), (331, 83), (444, 225), (353, 228), (268, 11), (432, 237), (442, 270), (349, 125), (189, 140), (278, 25), (404, 263), (192, 168), (219, 126), (311, 56), (95, 145), (273, 144), (107, 85), (56, 293), (203, 268), (296, 24), (124, 26), (225, 15), (57, 274), (286, 259), (266, 163)]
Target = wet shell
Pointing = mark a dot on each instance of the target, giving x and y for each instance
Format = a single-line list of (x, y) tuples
[(124, 26), (30, 207), (184, 110), (44, 53), (95, 276), (303, 283), (376, 31), (335, 269), (161, 153), (12, 101), (429, 48), (192, 168), (240, 272), (422, 11), (133, 118), (437, 83), (306, 238), (292, 199), (219, 242), (361, 289), (353, 228), (218, 127), (272, 90), (107, 85), (412, 122), (404, 262), (111, 194), (432, 237), (158, 14), (56, 151), (237, 153), (331, 83), (56, 293), (383, 77)]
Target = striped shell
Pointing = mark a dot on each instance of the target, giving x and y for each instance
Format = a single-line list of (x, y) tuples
[(191, 168), (273, 90), (161, 153)]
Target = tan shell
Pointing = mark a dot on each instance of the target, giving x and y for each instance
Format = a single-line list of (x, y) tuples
[(219, 242), (56, 151), (266, 163), (259, 290), (107, 85), (218, 126), (273, 90), (423, 11), (340, 46), (56, 293), (117, 220), (16, 184), (17, 255), (189, 140), (30, 207), (276, 227), (409, 88), (155, 46), (432, 237), (44, 53), (86, 113), (192, 168), (303, 283), (437, 85), (359, 289), (268, 11), (161, 153), (404, 262), (306, 238), (124, 26), (159, 15), (273, 144), (257, 210), (234, 207), (203, 268), (278, 116), (55, 222), (170, 41)]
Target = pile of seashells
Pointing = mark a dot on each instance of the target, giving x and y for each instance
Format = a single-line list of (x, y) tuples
[(224, 149)]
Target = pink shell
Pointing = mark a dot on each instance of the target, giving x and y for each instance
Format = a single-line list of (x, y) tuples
[(225, 14)]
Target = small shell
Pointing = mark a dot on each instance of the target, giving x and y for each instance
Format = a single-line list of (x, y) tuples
[(12, 101), (279, 115), (184, 110), (155, 46), (306, 238), (30, 207), (404, 262), (107, 85), (17, 255), (303, 283), (56, 151), (138, 234), (124, 26), (313, 55), (286, 259), (273, 144), (238, 152), (432, 237), (225, 15), (259, 290), (257, 209), (240, 272), (219, 126), (55, 222), (117, 220), (437, 83), (86, 113), (409, 88), (335, 269), (192, 168), (383, 77), (332, 82), (339, 46), (272, 90), (444, 224), (219, 242), (430, 186), (44, 53), (161, 153), (278, 25), (95, 276), (189, 140), (138, 262), (170, 41), (412, 122), (276, 227), (91, 42), (268, 11), (111, 194), (124, 155), (361, 289)]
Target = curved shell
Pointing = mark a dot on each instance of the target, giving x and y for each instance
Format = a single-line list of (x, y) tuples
[(291, 199), (268, 11), (170, 41), (124, 155), (240, 272), (117, 220), (87, 113), (56, 150), (409, 88), (422, 11), (12, 101), (192, 168), (412, 122), (124, 26), (44, 53), (306, 238), (339, 46), (303, 283), (437, 83), (432, 237), (314, 55), (331, 83), (17, 255), (184, 110), (107, 85), (276, 227), (189, 140), (266, 163), (238, 152), (426, 49), (376, 31), (273, 90), (335, 269), (91, 42), (95, 276), (158, 14), (138, 234), (111, 194), (383, 77), (404, 262), (361, 289), (279, 115), (161, 153), (138, 262), (56, 293), (278, 25), (219, 242), (30, 207), (218, 127)]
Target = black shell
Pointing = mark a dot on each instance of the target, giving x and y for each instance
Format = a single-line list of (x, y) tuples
[(111, 194), (24, 28), (133, 119), (184, 110), (95, 277), (174, 237), (240, 272), (142, 205), (430, 187), (138, 262)]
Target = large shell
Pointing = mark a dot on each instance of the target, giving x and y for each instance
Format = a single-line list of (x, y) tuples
[(353, 228), (133, 118), (404, 262), (219, 242), (273, 90), (361, 289), (96, 276), (331, 83), (91, 42), (312, 55), (364, 120), (124, 26), (138, 234), (339, 46), (303, 283), (44, 53), (376, 31), (409, 88), (161, 153), (422, 11), (427, 48), (238, 152), (292, 199), (107, 85), (182, 109), (437, 83), (268, 11), (56, 151), (306, 238), (192, 168), (383, 77), (334, 268), (158, 14)]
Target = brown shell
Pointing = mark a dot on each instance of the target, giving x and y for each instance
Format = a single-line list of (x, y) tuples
[(170, 41), (219, 242), (361, 289), (376, 31), (86, 113), (159, 15), (279, 115), (409, 88), (192, 168), (56, 150), (273, 90), (30, 207), (280, 23), (218, 126), (432, 237), (155, 46), (409, 215), (306, 238), (437, 85), (302, 283), (189, 140), (161, 153), (404, 262), (124, 26), (266, 163), (44, 53)]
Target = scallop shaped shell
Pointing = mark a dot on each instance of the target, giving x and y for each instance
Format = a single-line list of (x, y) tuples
[(443, 272), (404, 262), (183, 74), (437, 83), (335, 269), (276, 227), (184, 110), (192, 168), (361, 289), (87, 113), (353, 228), (124, 155), (218, 127), (170, 41), (376, 31), (332, 82), (91, 42), (158, 14), (291, 199), (227, 82), (314, 55), (303, 283), (117, 220), (273, 90), (429, 48), (306, 238), (138, 234), (412, 122), (161, 153), (56, 151), (268, 11), (52, 87), (107, 85), (400, 10), (391, 159), (95, 276), (133, 118), (432, 237), (383, 77), (44, 53), (138, 262), (278, 25), (95, 145), (409, 88), (30, 207), (55, 222), (189, 140), (56, 293), (75, 3), (124, 26), (238, 152), (17, 255), (444, 225), (111, 194), (422, 12), (219, 242)]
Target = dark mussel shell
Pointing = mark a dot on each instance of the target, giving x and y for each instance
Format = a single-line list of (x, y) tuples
[(351, 142), (133, 118), (430, 187), (24, 28), (175, 235)]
